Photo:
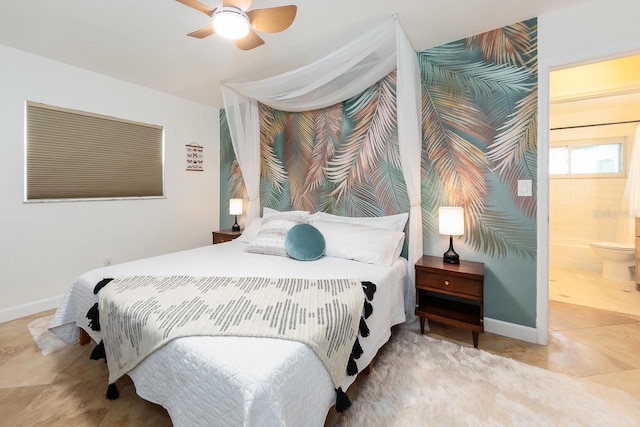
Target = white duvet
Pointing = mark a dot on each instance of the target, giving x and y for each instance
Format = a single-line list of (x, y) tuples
[(239, 381)]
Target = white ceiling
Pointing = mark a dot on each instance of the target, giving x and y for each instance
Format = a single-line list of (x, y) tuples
[(145, 42)]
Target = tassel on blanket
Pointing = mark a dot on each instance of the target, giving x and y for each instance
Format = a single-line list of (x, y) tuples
[(98, 352), (357, 351), (368, 309), (342, 400), (364, 329), (352, 366), (112, 392), (101, 284), (369, 289), (93, 314), (94, 317)]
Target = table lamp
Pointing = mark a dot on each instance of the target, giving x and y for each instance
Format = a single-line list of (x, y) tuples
[(451, 222), (235, 208)]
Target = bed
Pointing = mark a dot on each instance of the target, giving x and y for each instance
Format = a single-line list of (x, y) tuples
[(241, 381)]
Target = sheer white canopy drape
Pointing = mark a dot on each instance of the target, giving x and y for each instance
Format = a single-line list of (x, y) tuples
[(335, 78)]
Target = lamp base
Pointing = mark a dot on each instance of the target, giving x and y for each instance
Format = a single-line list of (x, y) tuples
[(235, 227), (451, 257), (448, 259)]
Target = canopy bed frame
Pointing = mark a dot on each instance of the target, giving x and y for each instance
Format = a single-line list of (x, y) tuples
[(190, 376)]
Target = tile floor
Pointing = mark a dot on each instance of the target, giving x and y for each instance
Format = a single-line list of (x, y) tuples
[(67, 389), (589, 289), (596, 323)]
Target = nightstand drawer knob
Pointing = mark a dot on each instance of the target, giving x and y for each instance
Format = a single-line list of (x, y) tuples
[(446, 282)]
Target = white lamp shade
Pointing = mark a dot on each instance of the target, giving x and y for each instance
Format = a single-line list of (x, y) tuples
[(230, 23), (235, 206), (451, 221)]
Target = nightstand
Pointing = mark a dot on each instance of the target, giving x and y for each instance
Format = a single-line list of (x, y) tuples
[(451, 294), (225, 236)]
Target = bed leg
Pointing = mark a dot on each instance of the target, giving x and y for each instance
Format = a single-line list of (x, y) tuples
[(84, 337)]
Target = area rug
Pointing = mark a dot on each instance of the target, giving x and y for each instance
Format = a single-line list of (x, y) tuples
[(422, 381), (47, 341)]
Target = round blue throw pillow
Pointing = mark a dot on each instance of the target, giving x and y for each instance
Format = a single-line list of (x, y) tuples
[(304, 242)]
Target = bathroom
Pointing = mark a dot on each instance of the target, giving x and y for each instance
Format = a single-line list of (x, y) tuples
[(594, 117)]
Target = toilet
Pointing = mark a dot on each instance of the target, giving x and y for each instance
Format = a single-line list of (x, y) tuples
[(617, 259)]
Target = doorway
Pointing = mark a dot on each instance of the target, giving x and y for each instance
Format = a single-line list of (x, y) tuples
[(594, 110)]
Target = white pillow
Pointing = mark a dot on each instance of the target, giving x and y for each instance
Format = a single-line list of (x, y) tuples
[(251, 231), (370, 245), (270, 240), (390, 222), (268, 211)]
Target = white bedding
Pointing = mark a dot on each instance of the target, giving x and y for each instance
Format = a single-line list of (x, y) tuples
[(239, 381)]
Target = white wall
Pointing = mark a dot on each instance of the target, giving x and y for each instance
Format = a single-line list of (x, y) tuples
[(44, 246), (584, 33)]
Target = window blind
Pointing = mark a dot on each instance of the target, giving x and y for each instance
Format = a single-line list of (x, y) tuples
[(77, 155)]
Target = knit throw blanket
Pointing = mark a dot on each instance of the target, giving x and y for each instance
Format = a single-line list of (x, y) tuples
[(139, 314)]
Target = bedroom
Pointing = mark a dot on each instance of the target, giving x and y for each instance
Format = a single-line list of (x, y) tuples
[(65, 239)]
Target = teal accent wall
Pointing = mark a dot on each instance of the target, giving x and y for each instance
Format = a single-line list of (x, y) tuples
[(227, 159), (479, 120)]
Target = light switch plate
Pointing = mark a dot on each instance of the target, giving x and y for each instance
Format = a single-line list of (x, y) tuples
[(524, 188)]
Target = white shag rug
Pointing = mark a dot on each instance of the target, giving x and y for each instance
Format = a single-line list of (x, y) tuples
[(47, 341), (422, 381)]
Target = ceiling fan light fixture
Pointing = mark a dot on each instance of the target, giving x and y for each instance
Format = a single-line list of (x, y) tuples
[(231, 23)]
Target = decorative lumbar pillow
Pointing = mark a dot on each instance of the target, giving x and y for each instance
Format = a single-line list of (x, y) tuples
[(304, 242), (273, 232), (250, 231)]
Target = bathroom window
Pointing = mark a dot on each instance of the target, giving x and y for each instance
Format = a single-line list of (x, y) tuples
[(587, 158)]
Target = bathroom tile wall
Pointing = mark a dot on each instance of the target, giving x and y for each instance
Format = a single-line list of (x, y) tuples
[(585, 209)]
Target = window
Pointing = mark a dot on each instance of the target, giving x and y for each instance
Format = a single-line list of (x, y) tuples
[(588, 158), (76, 155)]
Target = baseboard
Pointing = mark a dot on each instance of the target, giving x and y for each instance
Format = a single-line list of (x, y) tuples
[(511, 330), (24, 310)]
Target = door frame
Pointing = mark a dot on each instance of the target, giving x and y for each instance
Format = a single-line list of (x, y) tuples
[(545, 66)]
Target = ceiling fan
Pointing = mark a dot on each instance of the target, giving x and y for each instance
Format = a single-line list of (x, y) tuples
[(233, 21)]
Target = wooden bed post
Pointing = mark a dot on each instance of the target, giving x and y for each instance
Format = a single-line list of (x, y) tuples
[(84, 337), (368, 369)]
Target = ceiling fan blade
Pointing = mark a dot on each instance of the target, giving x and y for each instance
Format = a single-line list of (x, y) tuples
[(249, 42), (273, 20), (202, 33), (194, 4), (240, 4)]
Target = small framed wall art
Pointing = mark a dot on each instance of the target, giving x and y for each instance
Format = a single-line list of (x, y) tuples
[(194, 157)]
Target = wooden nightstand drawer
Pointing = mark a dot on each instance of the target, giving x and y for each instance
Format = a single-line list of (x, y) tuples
[(449, 283)]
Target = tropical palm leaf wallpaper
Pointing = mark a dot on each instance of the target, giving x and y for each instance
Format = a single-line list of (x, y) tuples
[(479, 122), (343, 159)]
